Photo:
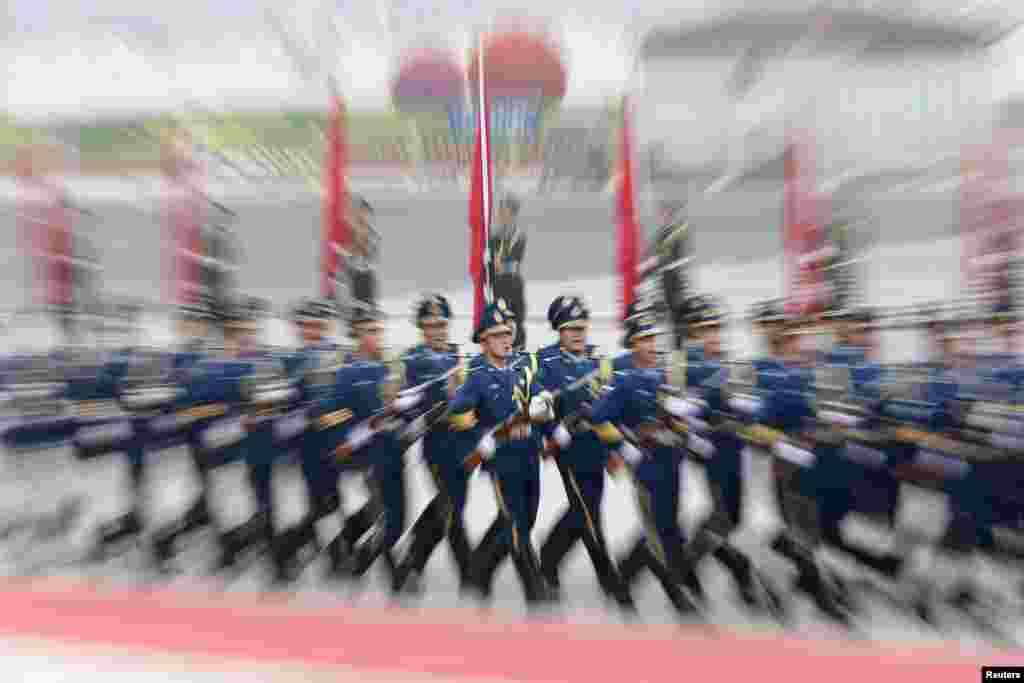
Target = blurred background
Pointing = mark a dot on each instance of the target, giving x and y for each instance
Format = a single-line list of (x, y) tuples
[(906, 117)]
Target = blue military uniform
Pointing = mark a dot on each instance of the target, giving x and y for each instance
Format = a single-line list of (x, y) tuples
[(583, 459), (714, 441), (212, 409), (443, 516), (496, 398), (634, 404), (348, 418), (149, 426)]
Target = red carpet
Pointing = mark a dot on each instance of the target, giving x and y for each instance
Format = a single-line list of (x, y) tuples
[(459, 644)]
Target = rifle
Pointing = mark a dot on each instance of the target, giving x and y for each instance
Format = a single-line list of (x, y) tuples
[(378, 422), (477, 456)]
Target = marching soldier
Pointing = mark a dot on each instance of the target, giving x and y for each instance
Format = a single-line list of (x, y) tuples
[(715, 442), (633, 404), (360, 419), (508, 247), (193, 328), (443, 516), (668, 265), (359, 265), (211, 409), (266, 394), (581, 456), (786, 410), (505, 400)]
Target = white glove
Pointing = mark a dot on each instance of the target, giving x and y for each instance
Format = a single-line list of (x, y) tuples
[(700, 446), (407, 401), (798, 456), (630, 453), (487, 446), (747, 406), (224, 433), (291, 425), (541, 409), (562, 436), (681, 408), (839, 419), (165, 423), (359, 437), (99, 435)]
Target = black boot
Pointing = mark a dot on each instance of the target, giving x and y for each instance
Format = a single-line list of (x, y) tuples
[(486, 559), (165, 540), (426, 533), (755, 591), (115, 533), (634, 563), (364, 555), (535, 588), (338, 552), (461, 551), (813, 582), (243, 538), (558, 544), (685, 605)]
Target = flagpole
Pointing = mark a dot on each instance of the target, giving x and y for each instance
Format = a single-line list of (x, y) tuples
[(485, 142), (488, 183)]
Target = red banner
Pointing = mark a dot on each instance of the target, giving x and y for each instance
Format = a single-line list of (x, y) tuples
[(628, 228), (988, 222), (480, 202), (803, 236), (46, 230), (184, 221), (335, 215)]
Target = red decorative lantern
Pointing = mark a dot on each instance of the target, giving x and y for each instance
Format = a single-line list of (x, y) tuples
[(428, 80), (519, 62)]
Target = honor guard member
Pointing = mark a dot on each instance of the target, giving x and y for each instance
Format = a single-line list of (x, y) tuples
[(443, 516), (769, 322), (211, 407), (505, 400), (581, 456), (360, 413), (714, 441), (655, 457), (193, 330), (787, 411), (266, 394), (360, 264), (672, 255), (507, 248), (312, 368)]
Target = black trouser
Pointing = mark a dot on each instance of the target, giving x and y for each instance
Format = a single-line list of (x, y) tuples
[(584, 488), (511, 288), (443, 517)]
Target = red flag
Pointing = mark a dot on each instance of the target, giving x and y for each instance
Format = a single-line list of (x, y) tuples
[(335, 216), (803, 235), (480, 198), (629, 232), (183, 222)]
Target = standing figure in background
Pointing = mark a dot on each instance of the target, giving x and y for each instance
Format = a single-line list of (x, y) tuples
[(358, 266), (507, 247), (222, 254), (666, 266)]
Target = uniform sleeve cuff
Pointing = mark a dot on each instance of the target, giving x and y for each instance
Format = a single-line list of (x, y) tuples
[(463, 421)]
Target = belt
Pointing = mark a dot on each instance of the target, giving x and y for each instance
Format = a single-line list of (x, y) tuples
[(516, 431)]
